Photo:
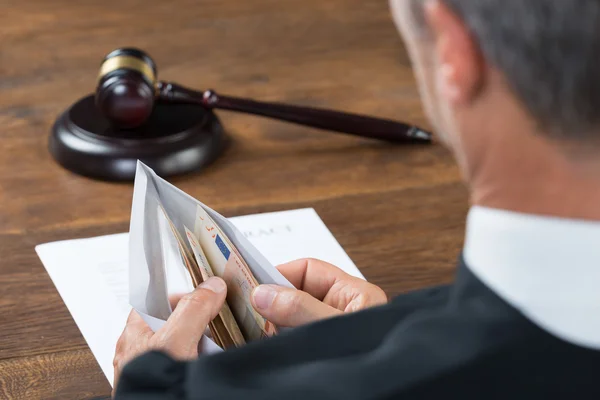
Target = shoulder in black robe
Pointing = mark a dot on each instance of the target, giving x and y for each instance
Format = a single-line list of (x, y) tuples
[(456, 341)]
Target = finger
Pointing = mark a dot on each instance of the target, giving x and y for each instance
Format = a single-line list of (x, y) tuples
[(116, 375), (186, 325), (289, 307), (174, 299), (355, 296), (315, 277), (132, 342), (134, 319), (134, 337)]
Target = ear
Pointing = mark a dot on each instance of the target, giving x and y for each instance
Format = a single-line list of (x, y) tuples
[(460, 65)]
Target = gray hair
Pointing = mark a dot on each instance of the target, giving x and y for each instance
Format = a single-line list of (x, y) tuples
[(549, 52)]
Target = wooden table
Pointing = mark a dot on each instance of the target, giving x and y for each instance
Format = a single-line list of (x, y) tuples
[(398, 211)]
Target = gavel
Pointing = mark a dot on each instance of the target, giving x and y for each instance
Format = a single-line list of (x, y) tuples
[(133, 116), (128, 89)]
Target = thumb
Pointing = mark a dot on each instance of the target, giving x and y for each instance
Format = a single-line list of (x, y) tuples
[(186, 325), (289, 307)]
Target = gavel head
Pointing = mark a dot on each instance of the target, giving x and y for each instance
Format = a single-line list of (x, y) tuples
[(126, 87)]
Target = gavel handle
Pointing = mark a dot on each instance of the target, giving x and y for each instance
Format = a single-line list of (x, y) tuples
[(336, 121)]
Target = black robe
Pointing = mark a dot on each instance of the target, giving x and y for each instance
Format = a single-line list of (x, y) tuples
[(456, 341)]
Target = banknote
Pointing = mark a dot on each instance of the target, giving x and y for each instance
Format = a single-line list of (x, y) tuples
[(226, 329), (221, 250), (229, 328), (225, 262)]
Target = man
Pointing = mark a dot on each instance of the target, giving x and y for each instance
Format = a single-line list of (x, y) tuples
[(513, 89)]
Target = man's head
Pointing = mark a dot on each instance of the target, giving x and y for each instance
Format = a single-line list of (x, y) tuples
[(507, 80)]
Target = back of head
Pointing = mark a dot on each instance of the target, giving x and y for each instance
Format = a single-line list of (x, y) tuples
[(549, 52), (513, 88)]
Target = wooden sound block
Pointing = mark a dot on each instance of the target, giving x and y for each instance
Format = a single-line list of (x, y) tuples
[(176, 139)]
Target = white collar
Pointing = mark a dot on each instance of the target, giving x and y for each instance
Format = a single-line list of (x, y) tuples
[(548, 268)]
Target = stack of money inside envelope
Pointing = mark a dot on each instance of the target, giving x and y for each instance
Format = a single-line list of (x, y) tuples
[(215, 255), (170, 228)]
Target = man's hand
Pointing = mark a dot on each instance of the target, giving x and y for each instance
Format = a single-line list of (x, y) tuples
[(324, 291), (180, 335)]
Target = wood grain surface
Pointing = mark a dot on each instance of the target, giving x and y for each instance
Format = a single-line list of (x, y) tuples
[(398, 211)]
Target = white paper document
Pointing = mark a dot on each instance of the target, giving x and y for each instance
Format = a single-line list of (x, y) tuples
[(92, 275)]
